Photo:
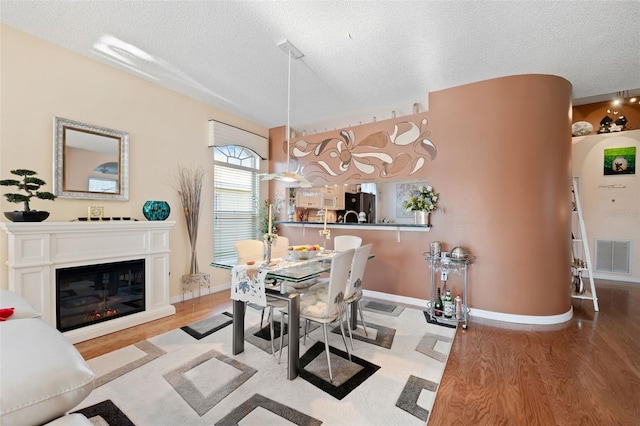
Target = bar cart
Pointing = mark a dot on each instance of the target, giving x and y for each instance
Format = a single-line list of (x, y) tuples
[(445, 266)]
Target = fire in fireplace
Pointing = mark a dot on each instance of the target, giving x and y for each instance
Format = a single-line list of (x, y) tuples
[(91, 294)]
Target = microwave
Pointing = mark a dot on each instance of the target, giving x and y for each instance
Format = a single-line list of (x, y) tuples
[(330, 203)]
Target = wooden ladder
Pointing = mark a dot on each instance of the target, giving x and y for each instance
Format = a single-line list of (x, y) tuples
[(581, 261)]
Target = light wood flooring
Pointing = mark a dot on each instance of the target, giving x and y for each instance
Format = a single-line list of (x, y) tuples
[(583, 372)]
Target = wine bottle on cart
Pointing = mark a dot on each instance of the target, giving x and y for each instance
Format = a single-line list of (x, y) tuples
[(449, 308), (437, 307)]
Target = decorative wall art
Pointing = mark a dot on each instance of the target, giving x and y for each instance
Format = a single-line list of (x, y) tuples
[(620, 161), (397, 152)]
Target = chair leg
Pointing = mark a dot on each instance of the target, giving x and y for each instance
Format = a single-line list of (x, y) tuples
[(271, 332), (364, 326), (326, 348), (348, 328), (344, 338), (262, 317)]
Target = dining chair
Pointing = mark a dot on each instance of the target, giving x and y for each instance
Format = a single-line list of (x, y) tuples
[(253, 250), (327, 309), (280, 248), (353, 293), (346, 242), (353, 287)]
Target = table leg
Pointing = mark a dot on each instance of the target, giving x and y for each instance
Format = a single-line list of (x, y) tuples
[(294, 337), (353, 320), (238, 326)]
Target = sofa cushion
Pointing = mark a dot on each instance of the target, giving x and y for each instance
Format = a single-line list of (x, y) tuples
[(42, 375), (23, 309)]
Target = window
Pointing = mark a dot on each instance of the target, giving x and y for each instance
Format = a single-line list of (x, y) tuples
[(236, 195)]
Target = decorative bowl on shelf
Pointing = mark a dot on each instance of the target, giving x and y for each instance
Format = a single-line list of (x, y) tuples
[(303, 252)]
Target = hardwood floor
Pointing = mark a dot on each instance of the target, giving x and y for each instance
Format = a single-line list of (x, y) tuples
[(187, 312), (583, 372)]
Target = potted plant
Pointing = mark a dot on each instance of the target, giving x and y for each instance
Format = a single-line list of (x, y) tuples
[(422, 202), (30, 185)]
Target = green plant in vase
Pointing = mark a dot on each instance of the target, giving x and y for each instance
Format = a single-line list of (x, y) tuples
[(263, 217), (30, 185)]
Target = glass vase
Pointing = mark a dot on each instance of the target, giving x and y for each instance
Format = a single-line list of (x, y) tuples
[(156, 210)]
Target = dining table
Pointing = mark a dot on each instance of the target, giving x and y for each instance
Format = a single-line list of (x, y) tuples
[(279, 279)]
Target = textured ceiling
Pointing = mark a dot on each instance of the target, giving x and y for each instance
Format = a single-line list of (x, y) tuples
[(362, 59)]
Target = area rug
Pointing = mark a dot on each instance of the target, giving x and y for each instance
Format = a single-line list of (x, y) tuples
[(190, 377)]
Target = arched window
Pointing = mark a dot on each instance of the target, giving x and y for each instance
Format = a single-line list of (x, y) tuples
[(236, 197)]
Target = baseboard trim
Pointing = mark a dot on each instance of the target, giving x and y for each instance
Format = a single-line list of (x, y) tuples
[(497, 316)]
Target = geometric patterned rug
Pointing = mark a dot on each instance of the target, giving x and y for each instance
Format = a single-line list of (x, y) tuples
[(179, 378)]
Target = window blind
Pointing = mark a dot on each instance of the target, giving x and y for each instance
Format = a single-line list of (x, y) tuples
[(235, 208)]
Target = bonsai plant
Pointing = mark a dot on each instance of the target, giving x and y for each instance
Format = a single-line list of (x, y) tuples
[(30, 185)]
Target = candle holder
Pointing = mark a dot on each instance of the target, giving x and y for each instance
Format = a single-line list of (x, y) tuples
[(327, 235)]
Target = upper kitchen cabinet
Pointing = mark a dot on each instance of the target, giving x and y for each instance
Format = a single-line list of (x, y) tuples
[(309, 198)]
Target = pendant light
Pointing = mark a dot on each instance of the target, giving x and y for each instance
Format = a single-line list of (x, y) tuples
[(289, 176)]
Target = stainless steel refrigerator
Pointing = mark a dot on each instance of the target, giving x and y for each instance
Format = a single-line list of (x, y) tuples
[(360, 202)]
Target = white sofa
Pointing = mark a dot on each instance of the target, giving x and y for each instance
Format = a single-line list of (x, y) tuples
[(42, 375)]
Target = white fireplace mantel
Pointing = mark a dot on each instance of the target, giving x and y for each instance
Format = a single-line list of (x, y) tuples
[(37, 250)]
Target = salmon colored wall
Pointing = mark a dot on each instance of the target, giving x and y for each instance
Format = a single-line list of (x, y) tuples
[(503, 170)]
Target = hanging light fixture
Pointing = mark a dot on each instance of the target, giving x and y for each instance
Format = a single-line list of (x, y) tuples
[(289, 176)]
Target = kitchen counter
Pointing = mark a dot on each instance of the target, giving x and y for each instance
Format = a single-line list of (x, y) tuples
[(352, 225)]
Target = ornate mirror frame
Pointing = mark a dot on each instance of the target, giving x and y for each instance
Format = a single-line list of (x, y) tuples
[(89, 162)]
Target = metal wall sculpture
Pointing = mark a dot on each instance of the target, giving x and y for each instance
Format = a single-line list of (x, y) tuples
[(399, 151)]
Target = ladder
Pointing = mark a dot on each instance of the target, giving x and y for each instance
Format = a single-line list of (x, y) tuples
[(581, 261)]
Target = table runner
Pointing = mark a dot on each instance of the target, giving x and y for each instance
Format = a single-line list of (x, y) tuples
[(248, 281)]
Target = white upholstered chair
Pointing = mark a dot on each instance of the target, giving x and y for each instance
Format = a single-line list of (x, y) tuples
[(328, 307), (280, 248), (353, 293), (346, 242), (253, 250), (353, 287)]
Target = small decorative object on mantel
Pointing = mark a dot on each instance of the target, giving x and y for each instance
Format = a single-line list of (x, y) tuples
[(29, 184), (156, 210), (422, 202), (190, 189)]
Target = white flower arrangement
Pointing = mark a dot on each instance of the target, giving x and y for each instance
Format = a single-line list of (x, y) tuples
[(422, 199), (326, 233), (270, 238)]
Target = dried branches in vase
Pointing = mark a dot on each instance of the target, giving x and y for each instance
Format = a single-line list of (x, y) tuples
[(190, 189)]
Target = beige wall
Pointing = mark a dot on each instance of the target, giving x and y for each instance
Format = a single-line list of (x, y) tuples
[(610, 203), (39, 80)]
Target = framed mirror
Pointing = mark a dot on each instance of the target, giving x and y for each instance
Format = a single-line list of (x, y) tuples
[(90, 162)]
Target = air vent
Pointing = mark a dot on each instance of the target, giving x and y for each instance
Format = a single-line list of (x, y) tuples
[(613, 256)]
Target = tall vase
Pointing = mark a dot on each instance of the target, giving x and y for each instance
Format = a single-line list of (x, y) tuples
[(267, 256), (422, 218)]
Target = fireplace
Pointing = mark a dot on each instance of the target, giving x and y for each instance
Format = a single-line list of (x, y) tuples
[(95, 293), (51, 264)]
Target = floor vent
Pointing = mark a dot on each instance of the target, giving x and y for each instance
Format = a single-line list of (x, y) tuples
[(613, 256)]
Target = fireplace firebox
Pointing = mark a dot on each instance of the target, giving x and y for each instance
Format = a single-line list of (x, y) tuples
[(91, 294)]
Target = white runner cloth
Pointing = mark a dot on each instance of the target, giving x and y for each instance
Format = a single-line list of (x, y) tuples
[(247, 281)]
